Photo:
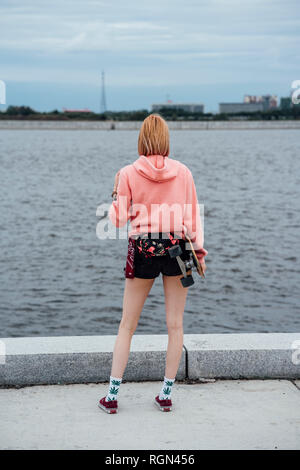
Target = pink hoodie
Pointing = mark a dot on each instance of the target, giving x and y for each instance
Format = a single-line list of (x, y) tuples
[(158, 194)]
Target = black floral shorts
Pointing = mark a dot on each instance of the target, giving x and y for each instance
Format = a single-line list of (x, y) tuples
[(151, 257)]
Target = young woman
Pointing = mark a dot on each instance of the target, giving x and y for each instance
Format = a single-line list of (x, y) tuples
[(158, 195)]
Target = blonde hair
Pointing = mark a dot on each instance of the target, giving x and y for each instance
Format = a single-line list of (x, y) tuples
[(154, 137)]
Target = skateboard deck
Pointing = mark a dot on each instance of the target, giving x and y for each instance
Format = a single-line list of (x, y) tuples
[(195, 259)]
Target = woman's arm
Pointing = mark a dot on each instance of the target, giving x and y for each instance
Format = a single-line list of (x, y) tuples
[(115, 192), (119, 210), (192, 219)]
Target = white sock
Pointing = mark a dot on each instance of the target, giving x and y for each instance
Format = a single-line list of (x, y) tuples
[(166, 389), (114, 385)]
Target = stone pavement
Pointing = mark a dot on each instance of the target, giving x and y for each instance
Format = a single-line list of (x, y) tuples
[(226, 414)]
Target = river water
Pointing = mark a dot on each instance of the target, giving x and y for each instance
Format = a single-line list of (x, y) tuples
[(57, 278)]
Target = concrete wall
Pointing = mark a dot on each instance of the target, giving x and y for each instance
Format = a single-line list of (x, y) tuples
[(135, 125), (83, 359)]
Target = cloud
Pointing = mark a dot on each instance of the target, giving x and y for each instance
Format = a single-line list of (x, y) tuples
[(157, 43)]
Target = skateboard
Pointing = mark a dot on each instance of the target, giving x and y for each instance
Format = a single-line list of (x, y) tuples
[(195, 259), (186, 265)]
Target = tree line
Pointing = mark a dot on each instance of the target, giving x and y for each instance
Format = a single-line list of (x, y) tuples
[(27, 113)]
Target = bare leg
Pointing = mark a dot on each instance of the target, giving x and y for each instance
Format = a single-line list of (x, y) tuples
[(175, 297), (135, 293)]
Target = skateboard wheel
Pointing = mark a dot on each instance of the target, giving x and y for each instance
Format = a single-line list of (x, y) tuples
[(187, 281), (175, 251)]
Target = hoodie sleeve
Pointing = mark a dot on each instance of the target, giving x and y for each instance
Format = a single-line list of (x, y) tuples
[(119, 210), (192, 219)]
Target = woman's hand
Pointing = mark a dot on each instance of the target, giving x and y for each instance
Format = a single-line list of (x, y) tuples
[(114, 193)]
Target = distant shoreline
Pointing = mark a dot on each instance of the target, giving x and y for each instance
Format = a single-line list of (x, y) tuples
[(135, 125)]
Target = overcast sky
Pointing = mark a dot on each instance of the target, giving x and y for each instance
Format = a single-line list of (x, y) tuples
[(52, 53)]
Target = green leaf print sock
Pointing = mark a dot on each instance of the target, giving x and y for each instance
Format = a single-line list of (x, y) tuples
[(166, 389), (114, 385)]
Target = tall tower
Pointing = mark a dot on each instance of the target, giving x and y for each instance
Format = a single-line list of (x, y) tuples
[(103, 98)]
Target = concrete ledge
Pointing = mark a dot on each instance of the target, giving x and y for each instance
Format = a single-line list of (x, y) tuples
[(84, 359), (135, 125), (81, 359), (246, 355)]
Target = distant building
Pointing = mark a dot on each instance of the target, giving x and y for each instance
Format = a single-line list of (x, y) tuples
[(188, 107), (251, 99), (269, 101), (85, 110), (231, 108), (251, 104), (286, 103)]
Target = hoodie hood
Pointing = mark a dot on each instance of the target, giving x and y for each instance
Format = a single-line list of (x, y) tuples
[(156, 167)]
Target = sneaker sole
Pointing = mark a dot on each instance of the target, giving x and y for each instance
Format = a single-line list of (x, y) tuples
[(110, 411), (163, 408)]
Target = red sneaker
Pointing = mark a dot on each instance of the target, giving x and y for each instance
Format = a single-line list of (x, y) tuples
[(163, 405), (110, 407)]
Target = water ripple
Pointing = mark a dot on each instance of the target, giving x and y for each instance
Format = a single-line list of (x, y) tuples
[(57, 278)]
